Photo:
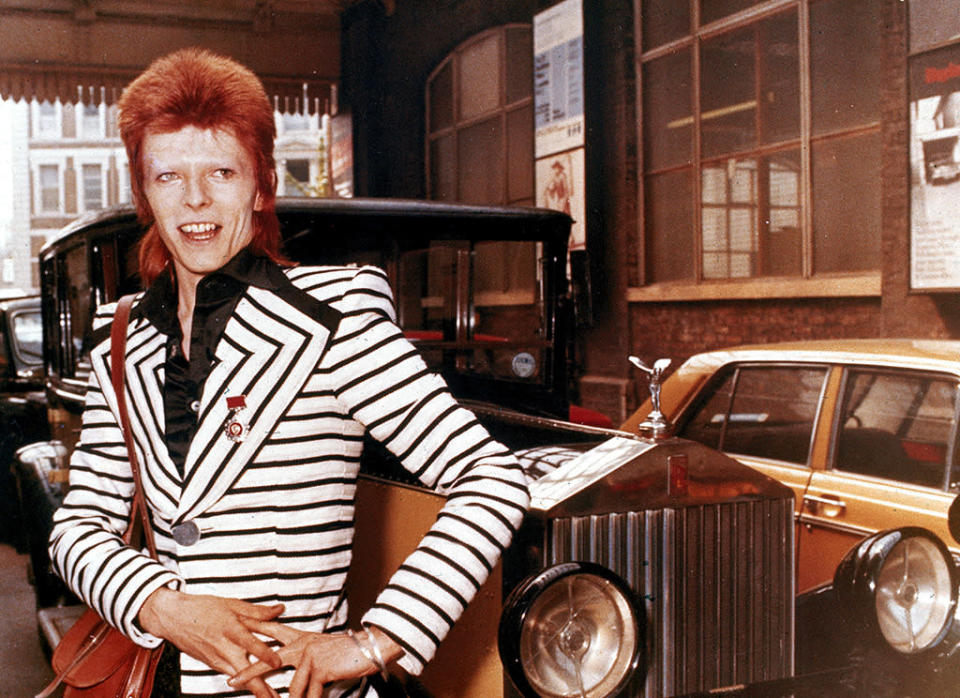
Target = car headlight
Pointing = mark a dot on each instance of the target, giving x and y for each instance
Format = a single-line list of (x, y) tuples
[(574, 629), (900, 583)]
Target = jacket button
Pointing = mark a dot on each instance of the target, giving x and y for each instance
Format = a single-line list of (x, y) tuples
[(186, 533)]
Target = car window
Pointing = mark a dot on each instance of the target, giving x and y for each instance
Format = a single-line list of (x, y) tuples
[(75, 280), (762, 411), (898, 426), (28, 336), (460, 313)]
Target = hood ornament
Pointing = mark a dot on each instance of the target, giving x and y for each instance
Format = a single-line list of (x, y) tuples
[(655, 425)]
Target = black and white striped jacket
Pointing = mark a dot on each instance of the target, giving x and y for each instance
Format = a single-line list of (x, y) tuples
[(319, 363)]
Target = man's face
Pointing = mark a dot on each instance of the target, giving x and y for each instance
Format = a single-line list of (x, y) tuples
[(202, 190)]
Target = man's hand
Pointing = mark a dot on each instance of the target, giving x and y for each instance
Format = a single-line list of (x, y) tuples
[(320, 658), (213, 630)]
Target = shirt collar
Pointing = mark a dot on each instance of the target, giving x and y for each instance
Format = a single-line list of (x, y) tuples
[(245, 269)]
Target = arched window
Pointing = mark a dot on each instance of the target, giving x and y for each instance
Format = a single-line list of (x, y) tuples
[(480, 120)]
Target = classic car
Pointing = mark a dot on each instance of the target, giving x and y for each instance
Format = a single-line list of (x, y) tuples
[(863, 431), (22, 407), (646, 566)]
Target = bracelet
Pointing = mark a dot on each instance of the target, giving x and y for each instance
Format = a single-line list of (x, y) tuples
[(381, 665), (376, 660)]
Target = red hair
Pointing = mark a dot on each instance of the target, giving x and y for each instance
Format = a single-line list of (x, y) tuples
[(194, 87)]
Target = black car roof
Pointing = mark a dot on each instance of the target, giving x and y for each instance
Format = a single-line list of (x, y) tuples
[(433, 218)]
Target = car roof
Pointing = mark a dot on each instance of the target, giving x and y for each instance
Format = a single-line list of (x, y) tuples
[(491, 222), (930, 354)]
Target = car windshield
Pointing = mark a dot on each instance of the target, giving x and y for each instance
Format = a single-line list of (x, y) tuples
[(28, 337), (459, 303)]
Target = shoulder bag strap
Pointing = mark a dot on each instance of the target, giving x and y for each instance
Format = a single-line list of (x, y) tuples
[(118, 349)]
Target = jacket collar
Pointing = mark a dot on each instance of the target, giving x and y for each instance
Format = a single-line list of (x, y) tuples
[(268, 350)]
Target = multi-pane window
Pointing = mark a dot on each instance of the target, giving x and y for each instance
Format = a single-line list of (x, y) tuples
[(480, 120), (49, 188), (92, 187), (91, 121), (47, 120), (761, 152), (480, 148)]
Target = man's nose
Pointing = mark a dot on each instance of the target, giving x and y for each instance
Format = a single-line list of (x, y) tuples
[(195, 193)]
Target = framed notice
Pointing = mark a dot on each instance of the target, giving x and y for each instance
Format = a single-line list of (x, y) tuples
[(558, 78), (560, 185), (935, 170)]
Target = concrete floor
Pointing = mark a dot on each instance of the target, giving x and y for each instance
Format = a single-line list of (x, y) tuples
[(24, 671)]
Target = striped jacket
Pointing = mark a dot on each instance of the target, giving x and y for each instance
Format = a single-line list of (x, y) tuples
[(319, 361)]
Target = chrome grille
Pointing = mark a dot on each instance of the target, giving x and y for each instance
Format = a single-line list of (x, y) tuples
[(716, 580)]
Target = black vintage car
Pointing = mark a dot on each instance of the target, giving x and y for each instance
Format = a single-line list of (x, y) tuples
[(23, 417), (651, 566)]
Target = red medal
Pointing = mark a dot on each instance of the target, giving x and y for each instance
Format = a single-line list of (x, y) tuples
[(235, 430)]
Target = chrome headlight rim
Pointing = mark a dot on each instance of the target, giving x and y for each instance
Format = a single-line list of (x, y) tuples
[(521, 602), (858, 582)]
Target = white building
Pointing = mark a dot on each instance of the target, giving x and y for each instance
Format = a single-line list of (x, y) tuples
[(66, 159)]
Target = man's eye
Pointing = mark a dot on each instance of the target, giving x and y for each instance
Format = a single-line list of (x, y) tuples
[(166, 177), (224, 172)]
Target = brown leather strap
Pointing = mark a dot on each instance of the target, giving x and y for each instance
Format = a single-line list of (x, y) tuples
[(139, 681), (118, 349)]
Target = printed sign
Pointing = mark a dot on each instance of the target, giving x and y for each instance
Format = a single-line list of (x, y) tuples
[(558, 78), (935, 170)]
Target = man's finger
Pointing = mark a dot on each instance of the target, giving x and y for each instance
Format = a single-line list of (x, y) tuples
[(260, 689), (251, 644), (249, 674), (258, 611), (278, 631)]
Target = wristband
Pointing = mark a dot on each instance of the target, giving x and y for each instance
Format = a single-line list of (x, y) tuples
[(381, 665), (375, 659)]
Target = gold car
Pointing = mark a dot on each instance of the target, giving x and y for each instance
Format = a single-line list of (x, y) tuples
[(863, 431)]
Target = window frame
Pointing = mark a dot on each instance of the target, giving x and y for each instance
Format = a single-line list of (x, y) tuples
[(732, 371), (39, 209), (806, 285), (502, 112), (952, 462), (82, 184), (39, 134), (82, 132)]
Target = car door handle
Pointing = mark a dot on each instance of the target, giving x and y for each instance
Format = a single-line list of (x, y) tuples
[(826, 505)]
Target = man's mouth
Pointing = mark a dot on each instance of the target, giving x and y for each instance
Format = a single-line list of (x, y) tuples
[(199, 232)]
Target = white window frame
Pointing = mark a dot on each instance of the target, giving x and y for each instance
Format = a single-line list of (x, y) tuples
[(81, 122), (61, 164), (35, 121), (104, 164)]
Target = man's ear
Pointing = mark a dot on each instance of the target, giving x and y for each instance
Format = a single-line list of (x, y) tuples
[(258, 201)]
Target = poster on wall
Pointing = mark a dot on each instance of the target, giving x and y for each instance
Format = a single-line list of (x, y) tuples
[(935, 170), (560, 184), (558, 78)]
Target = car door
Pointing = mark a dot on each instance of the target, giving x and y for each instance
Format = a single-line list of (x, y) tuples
[(893, 462), (764, 415)]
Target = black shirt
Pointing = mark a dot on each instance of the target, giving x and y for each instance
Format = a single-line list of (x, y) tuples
[(217, 295)]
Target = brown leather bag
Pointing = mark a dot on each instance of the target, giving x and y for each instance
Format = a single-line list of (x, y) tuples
[(93, 659)]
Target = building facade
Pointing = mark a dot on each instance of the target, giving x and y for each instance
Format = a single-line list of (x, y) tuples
[(753, 170), (69, 160)]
